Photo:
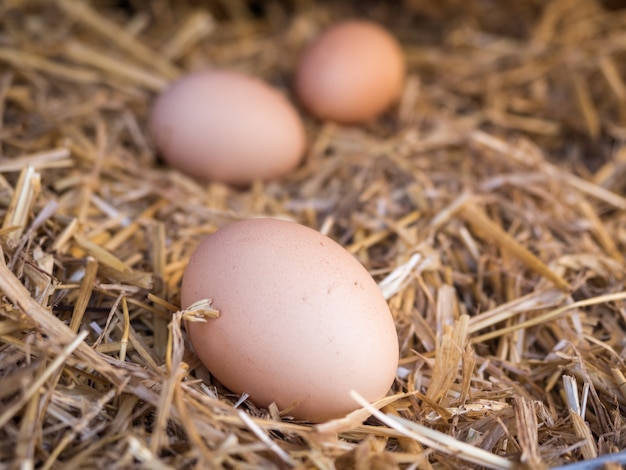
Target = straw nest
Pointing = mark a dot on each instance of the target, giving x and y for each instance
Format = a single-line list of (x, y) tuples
[(489, 204)]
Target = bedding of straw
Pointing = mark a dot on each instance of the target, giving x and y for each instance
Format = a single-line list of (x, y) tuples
[(489, 204)]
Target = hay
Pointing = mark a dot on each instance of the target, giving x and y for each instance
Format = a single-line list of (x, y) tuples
[(490, 205)]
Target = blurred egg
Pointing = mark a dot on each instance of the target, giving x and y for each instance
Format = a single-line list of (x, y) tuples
[(353, 72), (225, 126), (301, 321)]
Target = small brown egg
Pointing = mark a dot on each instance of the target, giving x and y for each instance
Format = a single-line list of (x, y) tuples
[(301, 324), (225, 126), (353, 72)]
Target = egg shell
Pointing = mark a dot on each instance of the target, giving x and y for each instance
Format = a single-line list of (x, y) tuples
[(226, 126), (351, 73), (301, 321)]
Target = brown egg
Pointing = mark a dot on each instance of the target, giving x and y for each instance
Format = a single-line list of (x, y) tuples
[(353, 72), (225, 126), (301, 321)]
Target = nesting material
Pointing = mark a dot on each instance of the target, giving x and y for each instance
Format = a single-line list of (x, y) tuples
[(489, 204)]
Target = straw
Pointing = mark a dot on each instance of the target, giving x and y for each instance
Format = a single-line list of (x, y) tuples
[(488, 204)]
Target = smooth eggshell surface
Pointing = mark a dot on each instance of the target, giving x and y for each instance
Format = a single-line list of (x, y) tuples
[(301, 321), (351, 73), (225, 126)]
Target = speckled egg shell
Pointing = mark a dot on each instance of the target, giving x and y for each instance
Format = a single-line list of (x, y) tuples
[(301, 321)]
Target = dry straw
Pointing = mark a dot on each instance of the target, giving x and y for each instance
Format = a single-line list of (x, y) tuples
[(490, 205)]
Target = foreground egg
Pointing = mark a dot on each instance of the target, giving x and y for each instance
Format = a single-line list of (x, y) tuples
[(353, 72), (225, 126), (301, 321)]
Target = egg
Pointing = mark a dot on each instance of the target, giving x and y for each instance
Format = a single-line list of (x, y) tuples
[(301, 323), (351, 73), (225, 126)]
